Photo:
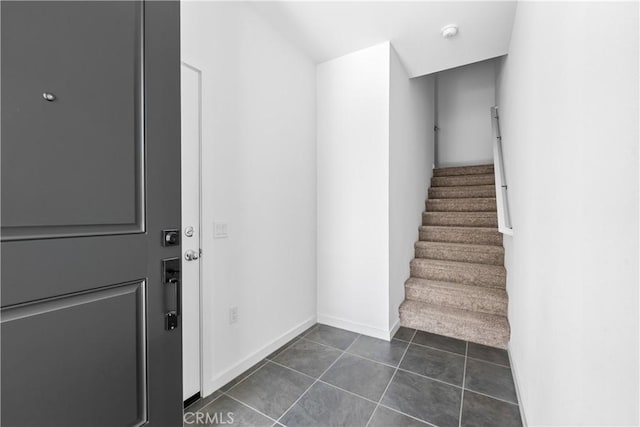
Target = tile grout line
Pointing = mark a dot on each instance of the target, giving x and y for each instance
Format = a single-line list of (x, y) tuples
[(251, 407), (265, 360), (491, 363), (491, 397), (407, 415), (346, 391), (202, 407), (353, 354), (293, 370), (242, 380), (316, 381), (439, 349), (350, 392), (346, 351), (464, 375), (415, 332), (295, 340), (429, 378), (387, 364), (390, 380), (224, 393), (398, 366)]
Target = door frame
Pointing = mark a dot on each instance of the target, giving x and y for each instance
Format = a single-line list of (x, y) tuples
[(198, 72)]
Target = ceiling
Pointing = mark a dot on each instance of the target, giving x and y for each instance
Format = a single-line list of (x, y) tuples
[(326, 30)]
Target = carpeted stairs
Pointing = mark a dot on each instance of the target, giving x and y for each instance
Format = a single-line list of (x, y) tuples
[(458, 280)]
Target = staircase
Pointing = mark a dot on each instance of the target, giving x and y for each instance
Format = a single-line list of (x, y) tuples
[(457, 286)]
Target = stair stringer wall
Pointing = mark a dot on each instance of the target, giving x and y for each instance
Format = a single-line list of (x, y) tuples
[(411, 156)]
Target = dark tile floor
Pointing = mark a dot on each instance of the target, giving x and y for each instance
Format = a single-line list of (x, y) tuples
[(331, 377)]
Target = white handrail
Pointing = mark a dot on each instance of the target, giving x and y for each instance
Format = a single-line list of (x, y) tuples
[(502, 200)]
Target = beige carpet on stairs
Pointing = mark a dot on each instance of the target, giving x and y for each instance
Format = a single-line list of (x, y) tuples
[(457, 286)]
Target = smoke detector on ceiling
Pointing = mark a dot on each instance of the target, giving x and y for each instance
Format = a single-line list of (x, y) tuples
[(449, 31)]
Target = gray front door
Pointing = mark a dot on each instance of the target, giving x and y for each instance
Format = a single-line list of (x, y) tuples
[(90, 179)]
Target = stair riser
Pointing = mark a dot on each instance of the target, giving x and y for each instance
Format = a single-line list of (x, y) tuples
[(463, 170), (462, 192), (468, 275), (459, 300), (450, 181), (472, 236), (461, 205), (455, 329), (460, 219), (474, 256)]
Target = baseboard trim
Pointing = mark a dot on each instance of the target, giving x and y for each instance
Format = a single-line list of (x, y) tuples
[(356, 327), (394, 328), (224, 377), (516, 382)]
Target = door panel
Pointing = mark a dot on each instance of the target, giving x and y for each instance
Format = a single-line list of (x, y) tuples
[(83, 304), (106, 327), (62, 266), (89, 56)]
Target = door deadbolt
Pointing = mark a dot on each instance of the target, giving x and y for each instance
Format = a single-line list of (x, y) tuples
[(188, 231), (171, 237)]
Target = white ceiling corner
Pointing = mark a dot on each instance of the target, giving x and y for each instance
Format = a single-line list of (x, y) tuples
[(327, 30)]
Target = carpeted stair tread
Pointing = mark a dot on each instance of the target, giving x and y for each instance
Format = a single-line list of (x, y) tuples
[(481, 328), (463, 170), (493, 276), (461, 219), (457, 286), (473, 235), (457, 295), (462, 192), (462, 252), (451, 181), (486, 204)]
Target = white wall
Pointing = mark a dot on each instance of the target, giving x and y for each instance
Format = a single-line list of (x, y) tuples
[(465, 95), (568, 98), (411, 154), (375, 151), (353, 191), (259, 175)]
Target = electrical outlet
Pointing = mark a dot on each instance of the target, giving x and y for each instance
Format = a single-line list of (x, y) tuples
[(233, 315)]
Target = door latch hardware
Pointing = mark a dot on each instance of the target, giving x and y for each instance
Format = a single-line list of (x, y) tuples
[(172, 320), (171, 277)]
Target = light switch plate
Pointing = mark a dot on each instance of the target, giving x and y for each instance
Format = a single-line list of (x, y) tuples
[(220, 230)]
